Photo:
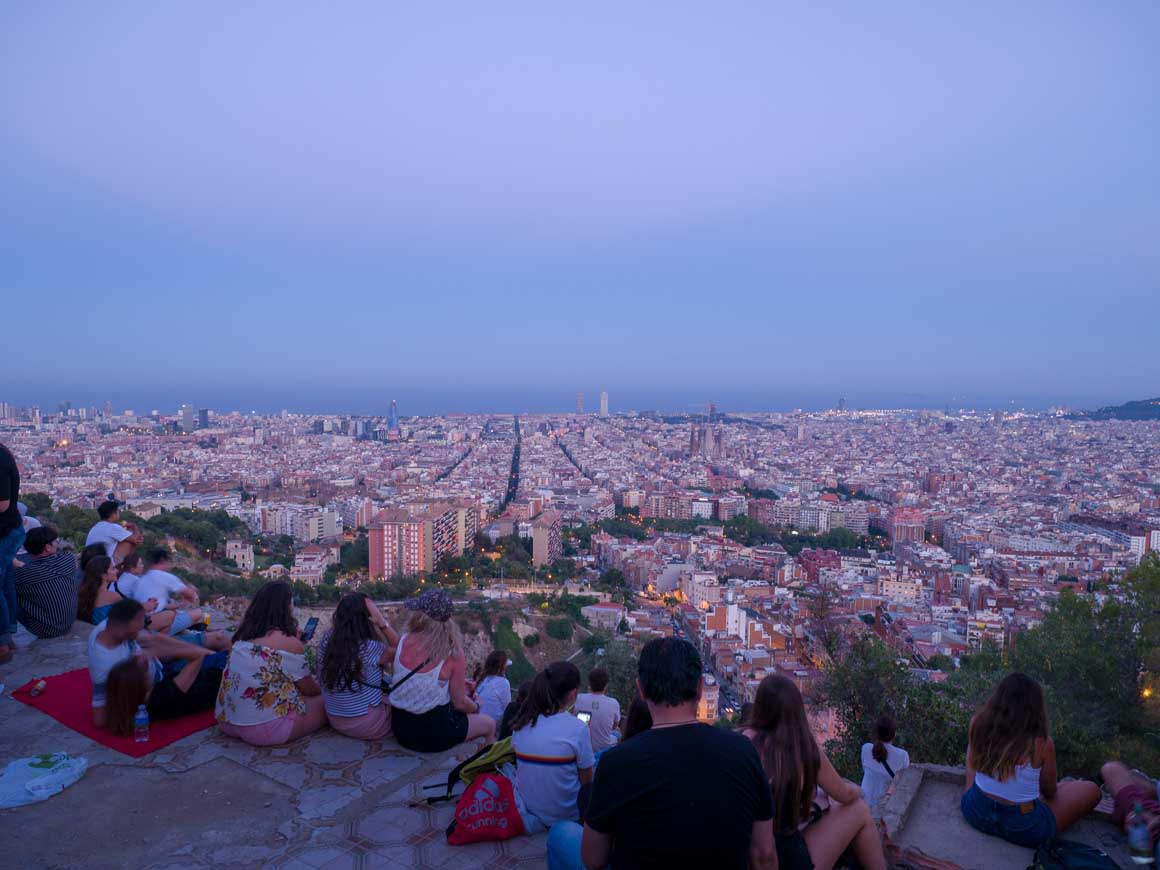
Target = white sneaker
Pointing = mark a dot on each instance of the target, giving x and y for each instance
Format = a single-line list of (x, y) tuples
[(22, 637)]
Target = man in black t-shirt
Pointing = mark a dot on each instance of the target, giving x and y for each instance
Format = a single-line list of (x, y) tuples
[(683, 793), (11, 537)]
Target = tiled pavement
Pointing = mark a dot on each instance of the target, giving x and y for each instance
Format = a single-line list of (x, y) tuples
[(340, 803)]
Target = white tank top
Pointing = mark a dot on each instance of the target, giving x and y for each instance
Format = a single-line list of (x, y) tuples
[(422, 692), (1023, 787)]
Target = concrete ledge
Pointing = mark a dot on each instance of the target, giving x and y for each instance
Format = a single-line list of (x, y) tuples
[(921, 813)]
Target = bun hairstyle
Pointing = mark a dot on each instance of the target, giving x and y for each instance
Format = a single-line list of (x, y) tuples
[(550, 689), (884, 730)]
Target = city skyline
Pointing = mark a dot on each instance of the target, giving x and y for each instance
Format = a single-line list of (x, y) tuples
[(775, 208), (176, 406)]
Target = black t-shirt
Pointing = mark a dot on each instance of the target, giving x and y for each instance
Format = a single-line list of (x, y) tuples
[(9, 491), (684, 796)]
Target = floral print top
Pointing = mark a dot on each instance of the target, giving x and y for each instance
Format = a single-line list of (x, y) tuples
[(258, 685)]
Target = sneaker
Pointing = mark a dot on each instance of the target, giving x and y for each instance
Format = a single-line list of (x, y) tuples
[(22, 637)]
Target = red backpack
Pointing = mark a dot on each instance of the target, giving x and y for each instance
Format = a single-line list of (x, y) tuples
[(486, 811)]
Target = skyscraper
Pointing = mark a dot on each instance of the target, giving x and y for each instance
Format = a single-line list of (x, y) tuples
[(188, 424), (203, 418), (579, 401), (604, 403), (393, 433)]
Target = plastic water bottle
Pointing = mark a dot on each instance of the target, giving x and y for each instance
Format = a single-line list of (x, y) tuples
[(141, 725), (1139, 840)]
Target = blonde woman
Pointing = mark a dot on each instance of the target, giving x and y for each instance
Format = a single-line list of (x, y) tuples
[(430, 708)]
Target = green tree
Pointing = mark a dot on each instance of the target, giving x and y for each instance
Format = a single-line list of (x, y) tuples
[(560, 629), (622, 668), (38, 503), (613, 578)]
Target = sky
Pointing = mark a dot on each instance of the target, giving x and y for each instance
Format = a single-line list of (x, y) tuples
[(487, 207)]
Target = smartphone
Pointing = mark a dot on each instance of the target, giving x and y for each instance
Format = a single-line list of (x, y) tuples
[(584, 717), (311, 627)]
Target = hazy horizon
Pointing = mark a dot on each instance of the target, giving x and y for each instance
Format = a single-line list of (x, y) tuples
[(490, 208), (414, 404)]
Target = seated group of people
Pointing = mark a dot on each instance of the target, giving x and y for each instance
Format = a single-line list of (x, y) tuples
[(765, 796), (54, 588)]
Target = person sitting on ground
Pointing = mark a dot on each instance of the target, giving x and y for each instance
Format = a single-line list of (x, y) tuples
[(118, 540), (509, 712), (796, 768), (122, 639), (1129, 789), (1012, 789), (430, 707), (681, 794), (603, 711), (46, 585), (99, 591), (268, 696), (637, 720), (167, 590), (554, 757), (352, 655), (29, 523), (131, 567), (881, 760), (492, 689)]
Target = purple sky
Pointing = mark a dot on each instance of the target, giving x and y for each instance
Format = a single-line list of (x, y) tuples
[(479, 207)]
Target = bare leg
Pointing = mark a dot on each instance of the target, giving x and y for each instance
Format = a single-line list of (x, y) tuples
[(479, 725), (1117, 776), (1072, 801), (218, 641), (828, 837), (314, 719), (161, 621)]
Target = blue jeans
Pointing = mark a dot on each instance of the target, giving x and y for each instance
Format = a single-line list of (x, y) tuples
[(564, 846), (1029, 825), (9, 610)]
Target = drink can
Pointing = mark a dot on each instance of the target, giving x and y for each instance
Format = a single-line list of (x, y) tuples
[(38, 687)]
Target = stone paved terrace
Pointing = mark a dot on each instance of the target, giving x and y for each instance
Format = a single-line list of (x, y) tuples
[(208, 800)]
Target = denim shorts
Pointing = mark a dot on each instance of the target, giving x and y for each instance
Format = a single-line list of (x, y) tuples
[(1030, 825)]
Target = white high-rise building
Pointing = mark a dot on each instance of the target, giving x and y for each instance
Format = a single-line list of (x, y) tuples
[(604, 403)]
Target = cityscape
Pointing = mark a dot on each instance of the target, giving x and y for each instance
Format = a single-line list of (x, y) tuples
[(592, 436), (937, 531)]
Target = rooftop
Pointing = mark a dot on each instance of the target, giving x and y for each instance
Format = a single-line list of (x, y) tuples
[(326, 801)]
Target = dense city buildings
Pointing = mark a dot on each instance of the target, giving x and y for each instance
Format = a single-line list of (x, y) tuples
[(747, 533)]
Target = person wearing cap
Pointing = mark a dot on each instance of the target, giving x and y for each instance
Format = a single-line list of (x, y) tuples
[(431, 710), (118, 540)]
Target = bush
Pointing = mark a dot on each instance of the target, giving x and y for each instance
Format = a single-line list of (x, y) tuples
[(560, 629), (532, 640)]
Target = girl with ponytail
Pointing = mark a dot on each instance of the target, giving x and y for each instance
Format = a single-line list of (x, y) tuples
[(553, 749), (881, 760)]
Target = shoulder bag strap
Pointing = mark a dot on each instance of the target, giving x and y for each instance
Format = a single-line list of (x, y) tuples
[(886, 764)]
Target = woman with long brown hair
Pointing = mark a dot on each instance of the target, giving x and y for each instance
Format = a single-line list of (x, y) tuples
[(430, 707), (796, 768), (1013, 790), (268, 696), (353, 654)]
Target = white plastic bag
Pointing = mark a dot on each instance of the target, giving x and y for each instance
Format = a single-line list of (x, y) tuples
[(38, 777)]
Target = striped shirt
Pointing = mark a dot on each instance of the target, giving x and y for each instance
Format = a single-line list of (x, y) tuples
[(359, 698), (46, 589)]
